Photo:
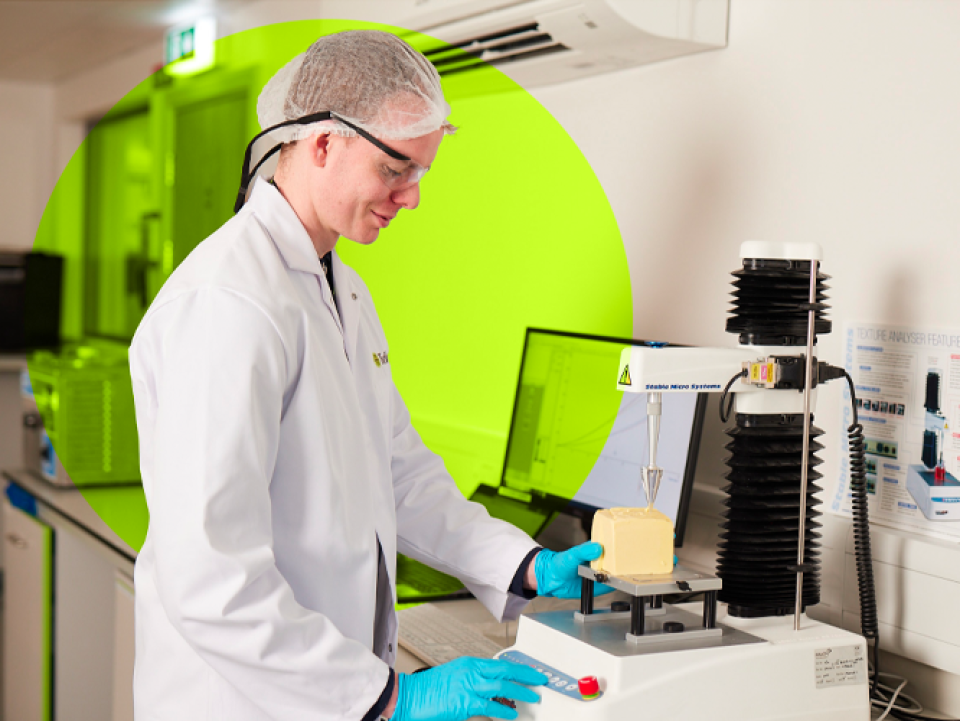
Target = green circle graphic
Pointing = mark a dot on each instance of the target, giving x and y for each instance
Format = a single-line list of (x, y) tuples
[(513, 231)]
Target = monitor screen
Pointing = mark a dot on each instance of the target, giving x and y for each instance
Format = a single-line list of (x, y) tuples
[(575, 437)]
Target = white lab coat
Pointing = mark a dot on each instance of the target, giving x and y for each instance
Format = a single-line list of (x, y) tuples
[(275, 451)]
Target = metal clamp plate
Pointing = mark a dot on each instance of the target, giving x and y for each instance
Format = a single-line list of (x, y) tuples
[(682, 580)]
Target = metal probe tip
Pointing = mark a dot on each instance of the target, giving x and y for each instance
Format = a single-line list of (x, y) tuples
[(651, 477), (651, 473)]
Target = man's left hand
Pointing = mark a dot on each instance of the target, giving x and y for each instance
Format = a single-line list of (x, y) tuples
[(556, 573)]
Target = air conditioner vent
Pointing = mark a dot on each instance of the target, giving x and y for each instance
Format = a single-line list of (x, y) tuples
[(523, 42), (541, 42)]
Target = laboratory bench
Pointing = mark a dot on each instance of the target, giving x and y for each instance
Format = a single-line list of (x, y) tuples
[(88, 628), (68, 635), (473, 614), (12, 362), (73, 505)]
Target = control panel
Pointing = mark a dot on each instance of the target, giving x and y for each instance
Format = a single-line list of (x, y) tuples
[(584, 689)]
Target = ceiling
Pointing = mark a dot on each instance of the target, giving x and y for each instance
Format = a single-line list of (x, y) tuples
[(48, 41)]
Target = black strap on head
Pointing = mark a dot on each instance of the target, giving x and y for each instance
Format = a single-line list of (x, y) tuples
[(246, 176)]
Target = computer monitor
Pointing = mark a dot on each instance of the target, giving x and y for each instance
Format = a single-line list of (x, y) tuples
[(578, 441)]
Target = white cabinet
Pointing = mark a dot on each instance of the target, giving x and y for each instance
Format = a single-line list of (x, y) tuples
[(68, 619), (83, 623), (27, 630), (123, 647)]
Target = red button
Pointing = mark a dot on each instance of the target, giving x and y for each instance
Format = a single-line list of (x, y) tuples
[(589, 688)]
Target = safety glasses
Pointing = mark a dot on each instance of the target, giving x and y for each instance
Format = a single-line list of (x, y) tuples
[(392, 178)]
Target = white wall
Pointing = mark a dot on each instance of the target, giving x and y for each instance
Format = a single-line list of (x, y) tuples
[(824, 120), (42, 125), (26, 160), (832, 121), (87, 96), (265, 12)]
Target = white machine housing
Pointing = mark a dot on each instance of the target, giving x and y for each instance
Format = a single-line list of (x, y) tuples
[(819, 672), (706, 370)]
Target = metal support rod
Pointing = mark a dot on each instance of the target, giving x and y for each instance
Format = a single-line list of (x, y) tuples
[(586, 596), (656, 602), (654, 405), (710, 609), (637, 620), (805, 460)]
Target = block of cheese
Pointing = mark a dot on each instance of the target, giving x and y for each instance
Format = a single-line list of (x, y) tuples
[(636, 541)]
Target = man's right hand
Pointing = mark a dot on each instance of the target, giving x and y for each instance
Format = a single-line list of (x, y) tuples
[(465, 688)]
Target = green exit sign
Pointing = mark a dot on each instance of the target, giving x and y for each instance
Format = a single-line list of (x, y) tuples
[(180, 44), (190, 48)]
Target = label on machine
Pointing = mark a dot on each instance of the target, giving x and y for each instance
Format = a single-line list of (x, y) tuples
[(840, 666), (560, 682)]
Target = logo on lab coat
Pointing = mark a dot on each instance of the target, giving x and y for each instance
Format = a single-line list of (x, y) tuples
[(380, 359)]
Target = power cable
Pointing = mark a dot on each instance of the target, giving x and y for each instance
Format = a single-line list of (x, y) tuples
[(881, 695), (725, 416)]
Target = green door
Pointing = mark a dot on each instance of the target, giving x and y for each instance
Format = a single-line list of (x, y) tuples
[(121, 244), (210, 140)]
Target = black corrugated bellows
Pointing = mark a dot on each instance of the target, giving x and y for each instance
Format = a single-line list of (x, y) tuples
[(758, 551), (770, 302), (930, 453), (932, 397)]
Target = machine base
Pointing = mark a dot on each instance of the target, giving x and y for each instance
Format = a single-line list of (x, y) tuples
[(756, 669)]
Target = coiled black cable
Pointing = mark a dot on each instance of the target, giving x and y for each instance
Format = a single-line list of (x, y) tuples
[(725, 416), (869, 624)]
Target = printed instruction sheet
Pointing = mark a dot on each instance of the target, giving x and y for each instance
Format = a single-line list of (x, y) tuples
[(908, 400)]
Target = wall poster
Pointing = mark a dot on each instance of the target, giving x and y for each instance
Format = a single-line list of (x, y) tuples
[(908, 400)]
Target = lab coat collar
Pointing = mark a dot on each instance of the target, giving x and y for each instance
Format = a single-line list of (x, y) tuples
[(298, 253), (284, 227)]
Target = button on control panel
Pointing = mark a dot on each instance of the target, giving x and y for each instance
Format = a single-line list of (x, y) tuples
[(589, 688), (560, 682)]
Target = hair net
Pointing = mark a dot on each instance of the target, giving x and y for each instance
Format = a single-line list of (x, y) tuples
[(368, 77)]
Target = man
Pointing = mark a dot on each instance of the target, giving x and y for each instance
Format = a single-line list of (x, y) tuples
[(279, 463)]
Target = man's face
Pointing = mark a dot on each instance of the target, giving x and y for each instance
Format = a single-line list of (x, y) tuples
[(351, 196)]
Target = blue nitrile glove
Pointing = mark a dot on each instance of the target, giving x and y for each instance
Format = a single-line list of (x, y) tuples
[(557, 572), (464, 688)]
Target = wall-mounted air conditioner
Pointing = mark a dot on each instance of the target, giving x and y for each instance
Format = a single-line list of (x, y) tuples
[(539, 42)]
